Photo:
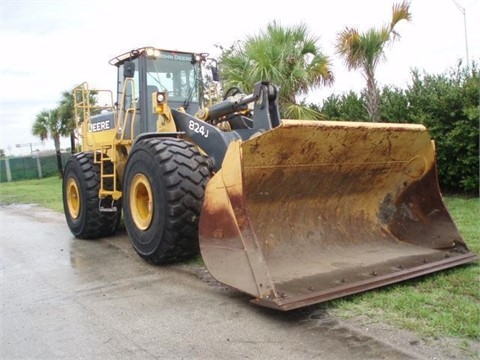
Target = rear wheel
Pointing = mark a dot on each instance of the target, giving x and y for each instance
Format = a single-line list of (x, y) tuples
[(164, 184), (81, 184)]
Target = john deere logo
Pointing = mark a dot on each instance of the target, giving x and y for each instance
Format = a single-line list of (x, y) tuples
[(99, 126)]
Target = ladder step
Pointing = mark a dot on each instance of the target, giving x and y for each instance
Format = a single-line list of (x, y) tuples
[(107, 205)]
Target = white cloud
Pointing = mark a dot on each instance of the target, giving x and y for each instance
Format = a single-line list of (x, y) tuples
[(50, 46)]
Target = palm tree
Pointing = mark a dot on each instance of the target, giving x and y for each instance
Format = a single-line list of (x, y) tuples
[(66, 112), (49, 124), (289, 57), (365, 50), (60, 122)]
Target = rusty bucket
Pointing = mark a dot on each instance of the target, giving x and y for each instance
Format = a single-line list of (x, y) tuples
[(311, 211)]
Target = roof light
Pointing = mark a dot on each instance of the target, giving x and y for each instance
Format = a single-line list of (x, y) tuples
[(151, 52)]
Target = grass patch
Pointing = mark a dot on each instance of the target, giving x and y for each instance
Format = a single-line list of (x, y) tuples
[(46, 192), (446, 303)]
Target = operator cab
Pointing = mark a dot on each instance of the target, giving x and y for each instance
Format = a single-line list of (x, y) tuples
[(179, 74)]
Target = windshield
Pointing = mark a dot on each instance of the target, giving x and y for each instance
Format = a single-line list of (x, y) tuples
[(174, 73)]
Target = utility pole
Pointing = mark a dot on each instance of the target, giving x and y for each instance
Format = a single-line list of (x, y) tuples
[(31, 145), (464, 13)]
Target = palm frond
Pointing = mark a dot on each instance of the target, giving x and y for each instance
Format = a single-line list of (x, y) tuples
[(300, 112), (46, 124), (348, 45), (400, 11), (281, 55)]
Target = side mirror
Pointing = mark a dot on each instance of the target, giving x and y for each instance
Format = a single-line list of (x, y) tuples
[(215, 73), (128, 69)]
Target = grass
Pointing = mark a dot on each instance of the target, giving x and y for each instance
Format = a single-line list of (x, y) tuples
[(446, 303), (46, 192)]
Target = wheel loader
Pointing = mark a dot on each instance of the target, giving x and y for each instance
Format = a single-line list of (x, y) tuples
[(291, 212)]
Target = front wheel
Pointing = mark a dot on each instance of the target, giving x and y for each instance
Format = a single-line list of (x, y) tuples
[(81, 184), (164, 184)]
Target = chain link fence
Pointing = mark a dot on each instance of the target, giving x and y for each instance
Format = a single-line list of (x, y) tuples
[(30, 167)]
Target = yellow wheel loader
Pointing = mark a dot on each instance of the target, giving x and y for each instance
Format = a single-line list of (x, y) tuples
[(291, 212)]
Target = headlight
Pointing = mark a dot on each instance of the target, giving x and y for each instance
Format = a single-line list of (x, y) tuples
[(160, 97), (151, 52)]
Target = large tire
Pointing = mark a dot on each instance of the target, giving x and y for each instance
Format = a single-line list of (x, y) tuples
[(81, 184), (164, 184)]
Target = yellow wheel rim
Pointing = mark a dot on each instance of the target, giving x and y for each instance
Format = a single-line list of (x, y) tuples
[(141, 201), (73, 198)]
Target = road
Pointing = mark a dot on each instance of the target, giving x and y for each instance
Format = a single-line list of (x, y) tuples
[(64, 298)]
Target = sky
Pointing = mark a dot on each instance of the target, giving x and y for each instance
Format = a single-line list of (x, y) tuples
[(52, 46)]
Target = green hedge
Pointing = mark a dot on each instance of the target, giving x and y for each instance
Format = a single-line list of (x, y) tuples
[(447, 104)]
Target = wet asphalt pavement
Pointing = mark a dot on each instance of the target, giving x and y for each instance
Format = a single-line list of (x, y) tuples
[(64, 298)]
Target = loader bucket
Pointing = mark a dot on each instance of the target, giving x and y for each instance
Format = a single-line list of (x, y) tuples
[(311, 211)]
